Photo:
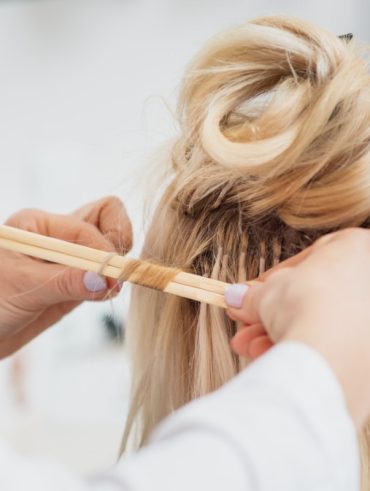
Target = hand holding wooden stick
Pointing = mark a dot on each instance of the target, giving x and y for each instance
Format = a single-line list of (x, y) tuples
[(112, 265)]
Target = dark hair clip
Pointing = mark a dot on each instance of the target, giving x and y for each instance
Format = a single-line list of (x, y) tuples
[(346, 37)]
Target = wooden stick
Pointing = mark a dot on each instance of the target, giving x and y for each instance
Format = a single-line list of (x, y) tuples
[(75, 255), (99, 256)]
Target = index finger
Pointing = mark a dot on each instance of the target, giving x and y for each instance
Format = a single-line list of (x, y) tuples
[(64, 227), (110, 217)]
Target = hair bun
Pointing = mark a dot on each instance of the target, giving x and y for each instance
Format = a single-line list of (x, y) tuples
[(281, 108)]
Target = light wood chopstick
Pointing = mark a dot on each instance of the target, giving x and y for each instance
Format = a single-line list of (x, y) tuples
[(58, 251)]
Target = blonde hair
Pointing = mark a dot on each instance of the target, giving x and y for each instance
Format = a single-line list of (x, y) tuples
[(274, 151)]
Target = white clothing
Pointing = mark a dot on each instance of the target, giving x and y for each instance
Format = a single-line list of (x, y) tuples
[(280, 425)]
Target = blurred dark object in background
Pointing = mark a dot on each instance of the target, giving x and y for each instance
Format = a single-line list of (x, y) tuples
[(114, 328)]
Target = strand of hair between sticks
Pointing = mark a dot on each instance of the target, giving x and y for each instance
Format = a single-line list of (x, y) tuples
[(162, 278), (142, 273)]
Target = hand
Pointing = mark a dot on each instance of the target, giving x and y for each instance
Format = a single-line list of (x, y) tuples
[(320, 298), (35, 294), (252, 340)]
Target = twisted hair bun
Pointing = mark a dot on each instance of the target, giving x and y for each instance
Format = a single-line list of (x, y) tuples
[(274, 151), (275, 118)]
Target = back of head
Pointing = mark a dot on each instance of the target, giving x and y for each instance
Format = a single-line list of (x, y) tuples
[(274, 151)]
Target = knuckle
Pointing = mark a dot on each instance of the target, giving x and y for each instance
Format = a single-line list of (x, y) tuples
[(349, 233), (355, 239), (24, 218), (112, 202), (64, 284)]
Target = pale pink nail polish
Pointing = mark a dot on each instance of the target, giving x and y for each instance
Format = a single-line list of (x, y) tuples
[(234, 295), (94, 283)]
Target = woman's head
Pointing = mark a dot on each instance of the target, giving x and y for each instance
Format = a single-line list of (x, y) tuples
[(273, 151)]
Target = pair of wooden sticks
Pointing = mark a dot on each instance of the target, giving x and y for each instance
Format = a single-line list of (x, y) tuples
[(58, 251)]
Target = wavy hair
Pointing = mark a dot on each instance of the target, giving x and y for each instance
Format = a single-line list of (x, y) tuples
[(273, 152)]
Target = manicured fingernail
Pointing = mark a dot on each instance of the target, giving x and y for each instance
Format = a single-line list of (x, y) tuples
[(94, 283), (234, 295)]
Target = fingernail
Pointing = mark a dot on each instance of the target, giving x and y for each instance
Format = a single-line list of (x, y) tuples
[(234, 295), (94, 283)]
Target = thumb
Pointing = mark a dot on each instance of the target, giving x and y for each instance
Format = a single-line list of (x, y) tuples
[(63, 284), (242, 301), (257, 301)]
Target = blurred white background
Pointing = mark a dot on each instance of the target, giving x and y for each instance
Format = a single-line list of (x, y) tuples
[(86, 94)]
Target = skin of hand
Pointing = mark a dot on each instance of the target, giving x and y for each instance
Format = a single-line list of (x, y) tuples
[(321, 298), (35, 294), (252, 340)]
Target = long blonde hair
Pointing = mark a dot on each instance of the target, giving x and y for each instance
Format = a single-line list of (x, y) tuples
[(274, 151)]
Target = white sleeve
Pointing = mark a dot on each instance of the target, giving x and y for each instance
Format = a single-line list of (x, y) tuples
[(281, 425)]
